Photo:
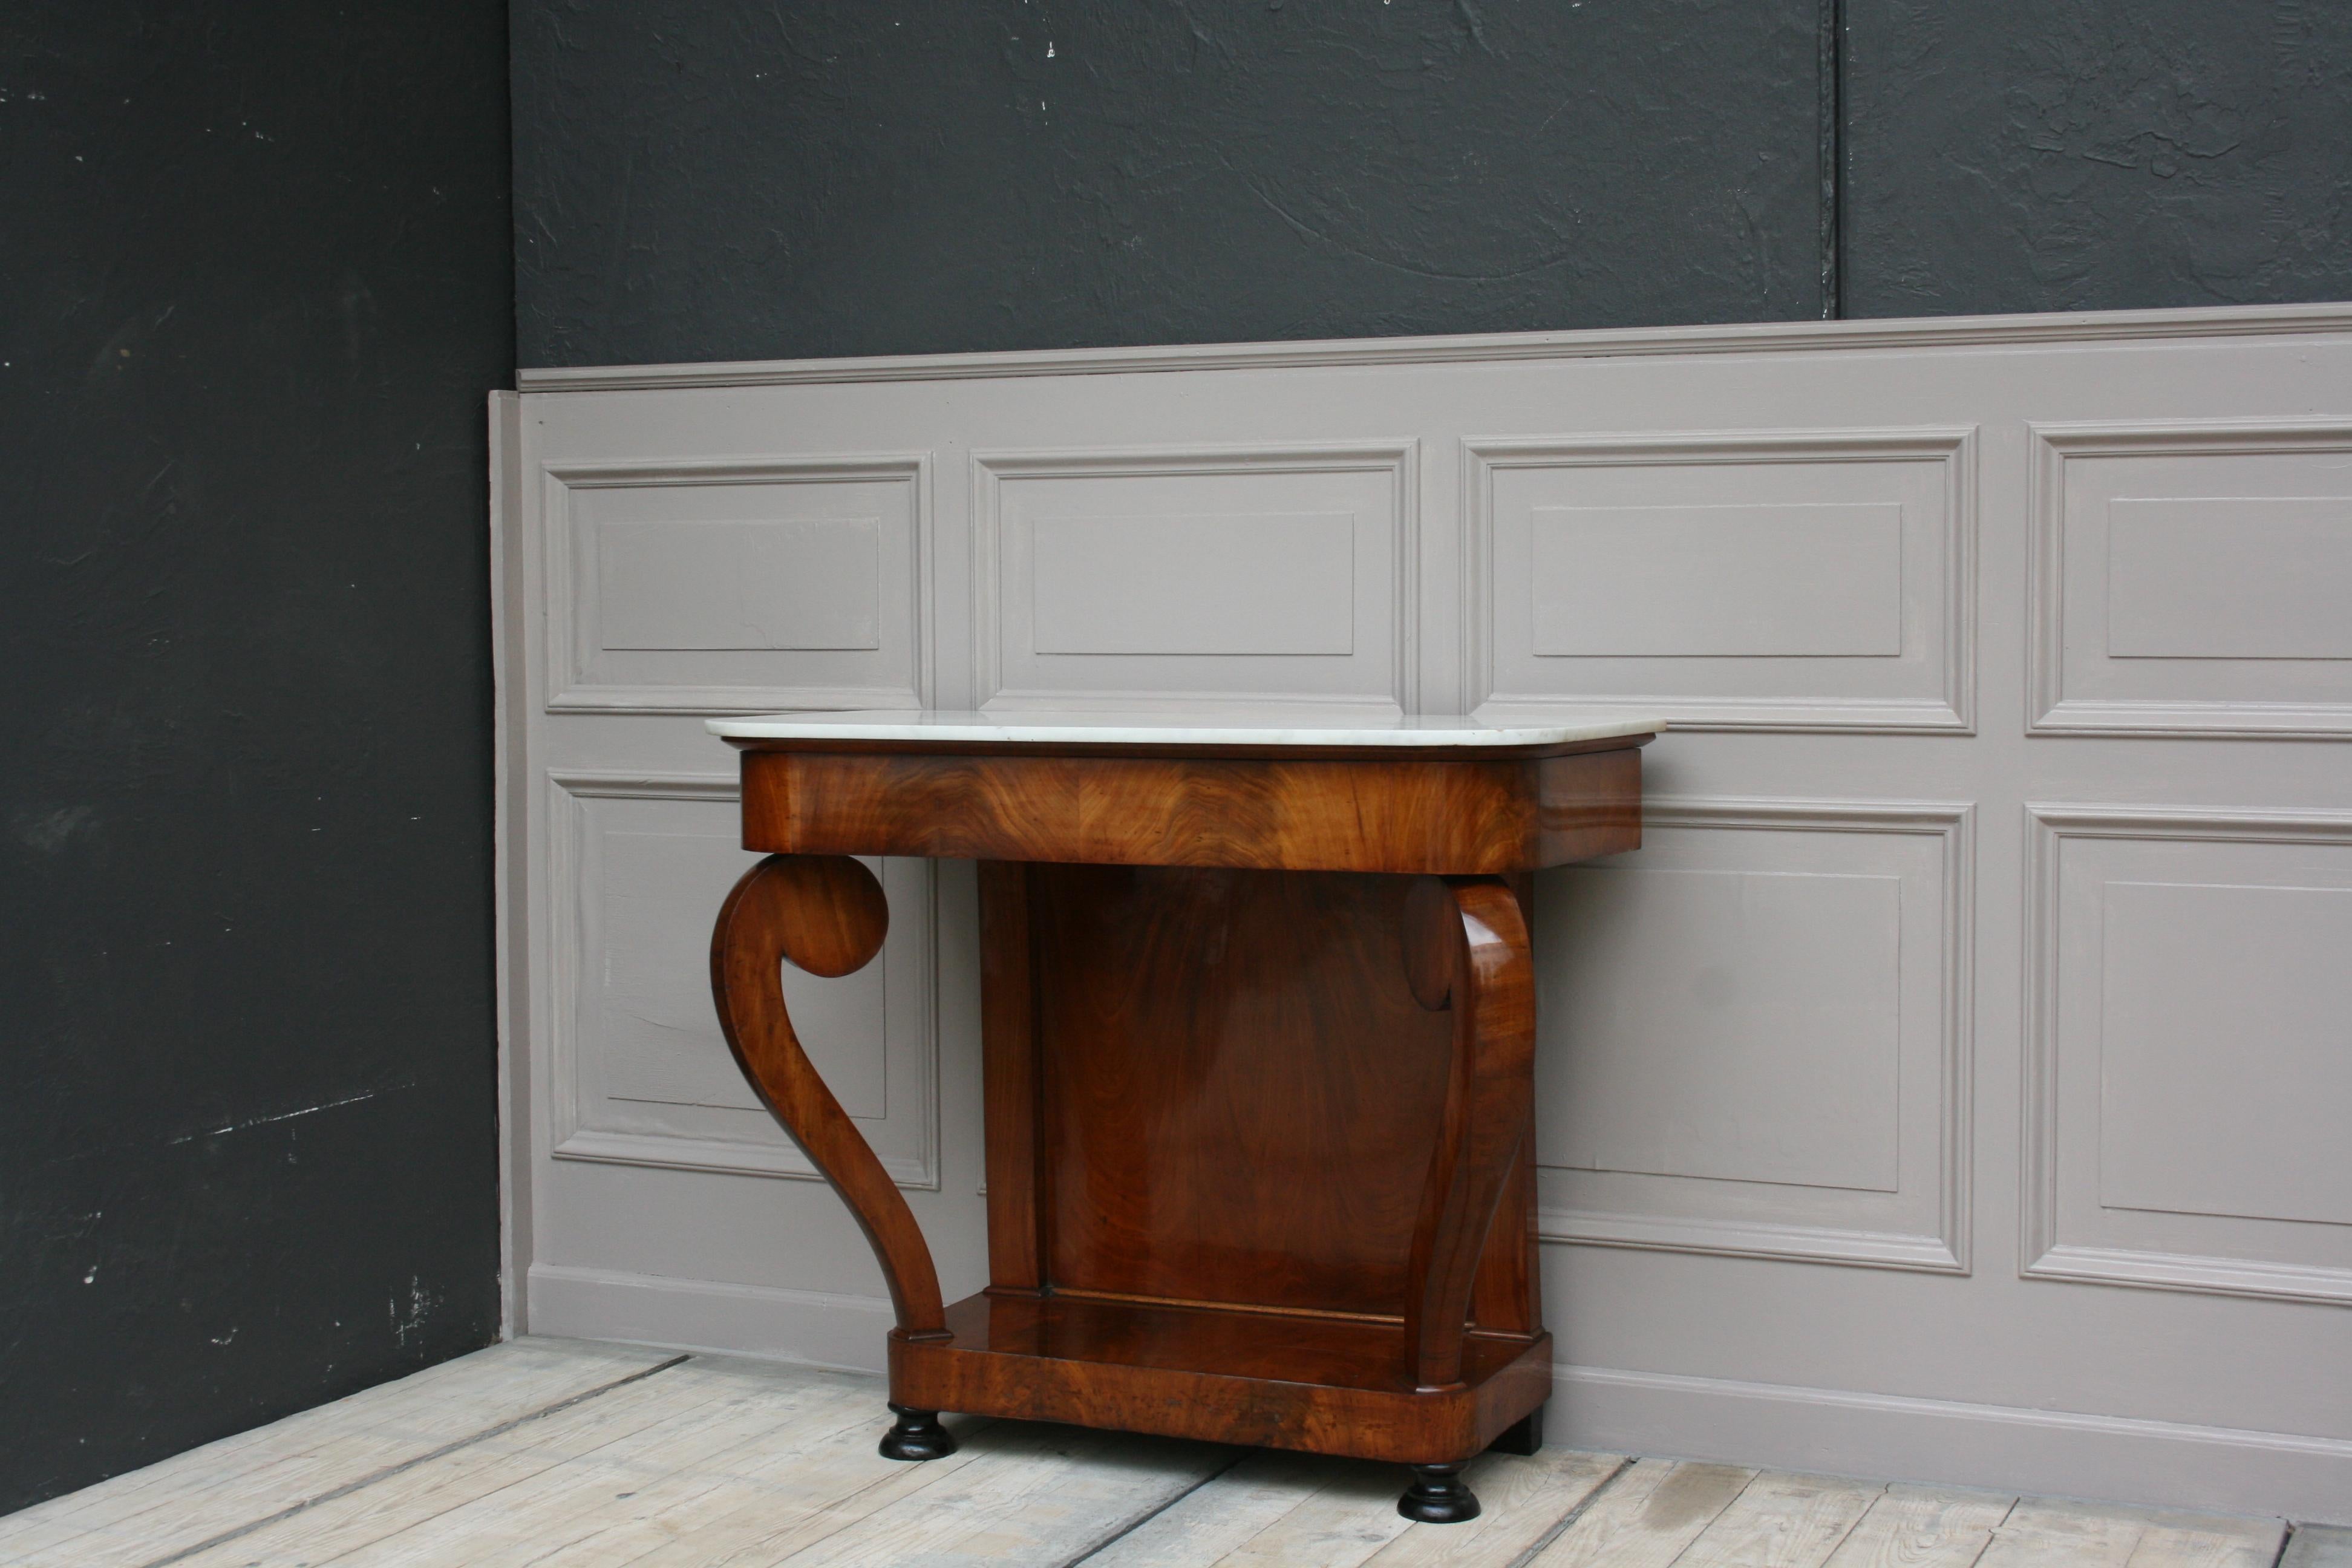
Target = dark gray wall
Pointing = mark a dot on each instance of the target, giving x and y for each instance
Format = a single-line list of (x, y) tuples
[(254, 282), (716, 179), (700, 180), (2020, 155)]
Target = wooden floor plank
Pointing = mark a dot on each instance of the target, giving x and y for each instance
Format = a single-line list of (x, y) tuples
[(196, 1496), (536, 1452), (551, 1453), (772, 1504), (1782, 1521), (2318, 1546), (567, 1513), (1647, 1517), (2234, 1545), (1219, 1515), (2042, 1532), (1341, 1523), (1030, 1494), (1922, 1527)]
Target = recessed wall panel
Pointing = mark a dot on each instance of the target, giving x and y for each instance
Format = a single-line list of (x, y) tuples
[(1726, 581), (2225, 1047), (648, 1032), (1167, 585), (643, 1075), (722, 586), (1171, 578), (2193, 580), (1749, 1027), (1772, 580), (807, 583), (1754, 1031), (2230, 577), (2192, 1052)]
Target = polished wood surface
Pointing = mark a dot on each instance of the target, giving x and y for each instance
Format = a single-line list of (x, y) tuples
[(1257, 1061), (1270, 1100), (828, 914), (1466, 952), (1012, 1091), (1410, 814), (1272, 1381), (1239, 1088)]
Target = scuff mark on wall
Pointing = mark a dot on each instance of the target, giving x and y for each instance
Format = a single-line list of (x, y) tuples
[(253, 1121)]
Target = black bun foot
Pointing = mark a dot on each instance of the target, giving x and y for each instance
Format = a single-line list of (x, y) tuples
[(917, 1435), (1438, 1496)]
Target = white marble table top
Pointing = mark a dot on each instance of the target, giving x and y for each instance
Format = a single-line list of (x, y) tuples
[(1239, 728)]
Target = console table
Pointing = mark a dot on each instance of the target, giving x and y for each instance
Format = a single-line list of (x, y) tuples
[(1259, 1031)]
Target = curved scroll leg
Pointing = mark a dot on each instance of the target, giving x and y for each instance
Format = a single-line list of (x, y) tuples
[(1466, 948), (826, 913)]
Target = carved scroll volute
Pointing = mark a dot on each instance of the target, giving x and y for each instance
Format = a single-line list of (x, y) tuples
[(1465, 950), (826, 913)]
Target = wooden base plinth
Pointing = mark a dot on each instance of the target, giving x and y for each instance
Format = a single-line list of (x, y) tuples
[(1324, 1386)]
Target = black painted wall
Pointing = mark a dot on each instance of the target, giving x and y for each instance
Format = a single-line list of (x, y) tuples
[(254, 282), (721, 179)]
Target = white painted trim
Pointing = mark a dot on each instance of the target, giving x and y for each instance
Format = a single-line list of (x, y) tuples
[(567, 658), (2164, 1463), (566, 1139), (1400, 459), (2050, 712), (505, 417), (809, 1328), (1945, 1252), (1955, 447), (1763, 337), (2042, 1254)]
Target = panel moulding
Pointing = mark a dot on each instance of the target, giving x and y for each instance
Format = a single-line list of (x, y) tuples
[(2050, 712), (2043, 1253), (567, 1138), (1398, 460), (566, 591), (1946, 1250), (1951, 711)]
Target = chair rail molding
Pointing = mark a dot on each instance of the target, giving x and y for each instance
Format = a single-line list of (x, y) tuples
[(2055, 328)]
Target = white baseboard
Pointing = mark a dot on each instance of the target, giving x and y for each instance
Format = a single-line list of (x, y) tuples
[(2109, 1458), (814, 1328), (2008, 1447)]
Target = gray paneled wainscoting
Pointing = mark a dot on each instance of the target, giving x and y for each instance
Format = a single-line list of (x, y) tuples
[(1956, 1083)]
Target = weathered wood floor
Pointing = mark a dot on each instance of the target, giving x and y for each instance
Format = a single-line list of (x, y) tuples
[(559, 1452)]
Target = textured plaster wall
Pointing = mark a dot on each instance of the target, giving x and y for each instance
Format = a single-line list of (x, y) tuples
[(2017, 155), (254, 284)]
